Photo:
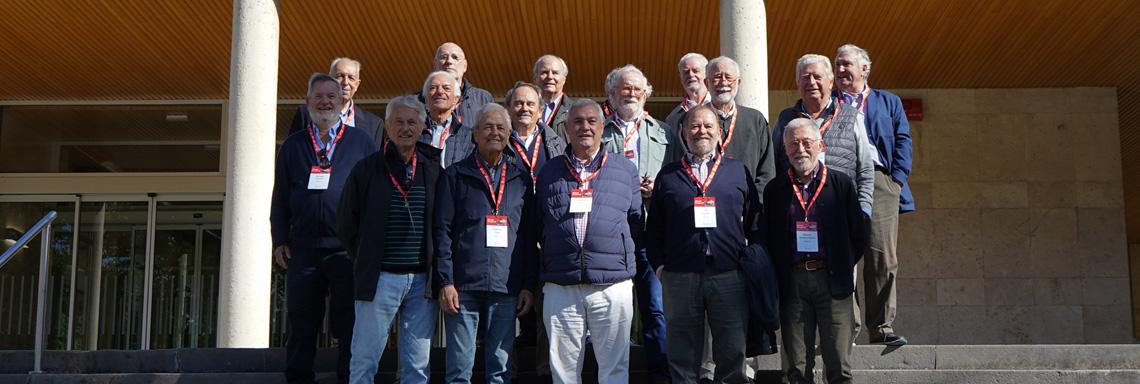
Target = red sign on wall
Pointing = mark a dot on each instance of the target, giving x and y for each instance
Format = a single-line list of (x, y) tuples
[(913, 108)]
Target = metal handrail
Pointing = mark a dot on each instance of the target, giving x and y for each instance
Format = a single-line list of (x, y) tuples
[(42, 226)]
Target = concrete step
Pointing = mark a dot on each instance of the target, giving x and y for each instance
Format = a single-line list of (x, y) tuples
[(986, 357)]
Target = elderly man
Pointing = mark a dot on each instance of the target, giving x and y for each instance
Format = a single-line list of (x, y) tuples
[(346, 71), (312, 168), (445, 129), (533, 141), (648, 144), (485, 250), (692, 71), (385, 222), (847, 149), (704, 212), (589, 207), (746, 134), (550, 75), (449, 57), (889, 134), (815, 236)]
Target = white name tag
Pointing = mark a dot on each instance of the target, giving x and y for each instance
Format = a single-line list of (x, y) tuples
[(319, 177), (704, 212), (807, 236), (497, 229), (581, 200)]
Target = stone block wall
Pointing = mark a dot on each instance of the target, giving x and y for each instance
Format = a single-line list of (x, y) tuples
[(1019, 236)]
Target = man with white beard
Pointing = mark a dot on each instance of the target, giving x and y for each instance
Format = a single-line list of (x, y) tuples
[(745, 130), (691, 68), (631, 133)]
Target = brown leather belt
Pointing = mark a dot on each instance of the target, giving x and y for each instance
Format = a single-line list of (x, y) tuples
[(810, 265)]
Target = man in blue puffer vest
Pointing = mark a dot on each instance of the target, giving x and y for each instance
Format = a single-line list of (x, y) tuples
[(589, 206)]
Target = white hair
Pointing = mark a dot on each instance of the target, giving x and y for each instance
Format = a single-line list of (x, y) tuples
[(722, 59), (352, 62), (561, 63), (689, 56), (802, 122), (406, 101), (860, 54), (615, 75), (585, 102), (454, 81), (492, 108), (320, 78), (810, 59)]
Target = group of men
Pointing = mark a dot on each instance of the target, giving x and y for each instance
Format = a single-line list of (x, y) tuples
[(561, 214)]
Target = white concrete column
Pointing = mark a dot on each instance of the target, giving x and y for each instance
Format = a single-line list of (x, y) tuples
[(744, 37), (244, 286)]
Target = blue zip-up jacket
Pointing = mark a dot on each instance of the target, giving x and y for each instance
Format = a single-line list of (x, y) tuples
[(889, 130), (613, 231), (463, 201), (304, 218)]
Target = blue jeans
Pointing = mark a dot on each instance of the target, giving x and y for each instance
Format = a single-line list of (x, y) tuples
[(649, 303), (498, 314), (402, 294)]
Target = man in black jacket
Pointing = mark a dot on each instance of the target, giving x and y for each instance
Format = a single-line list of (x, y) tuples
[(815, 235), (346, 71), (384, 221)]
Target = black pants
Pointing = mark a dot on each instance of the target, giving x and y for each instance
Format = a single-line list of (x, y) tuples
[(311, 274)]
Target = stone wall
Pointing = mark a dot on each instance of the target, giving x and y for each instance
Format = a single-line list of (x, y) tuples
[(1019, 235)]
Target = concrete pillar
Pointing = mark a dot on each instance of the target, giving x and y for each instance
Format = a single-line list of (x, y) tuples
[(244, 286), (744, 37)]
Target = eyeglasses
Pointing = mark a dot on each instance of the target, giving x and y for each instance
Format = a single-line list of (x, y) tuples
[(806, 143)]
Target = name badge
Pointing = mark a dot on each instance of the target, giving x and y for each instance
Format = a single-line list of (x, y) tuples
[(807, 236), (319, 177), (630, 154), (496, 231), (581, 200), (704, 212)]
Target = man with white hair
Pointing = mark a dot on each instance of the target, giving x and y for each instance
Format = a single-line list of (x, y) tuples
[(745, 130), (889, 134), (444, 127), (346, 71), (449, 57), (632, 134), (815, 236), (692, 71), (550, 76)]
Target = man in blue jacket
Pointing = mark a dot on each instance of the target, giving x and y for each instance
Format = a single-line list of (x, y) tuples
[(485, 250), (704, 211), (385, 222), (346, 71), (889, 134), (589, 207), (444, 127), (312, 168)]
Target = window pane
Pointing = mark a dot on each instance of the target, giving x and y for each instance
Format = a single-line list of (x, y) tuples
[(186, 256), (110, 138), (18, 285)]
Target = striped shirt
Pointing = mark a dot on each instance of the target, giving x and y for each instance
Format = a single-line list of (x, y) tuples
[(404, 242)]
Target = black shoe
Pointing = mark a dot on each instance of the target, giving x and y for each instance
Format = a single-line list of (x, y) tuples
[(889, 339)]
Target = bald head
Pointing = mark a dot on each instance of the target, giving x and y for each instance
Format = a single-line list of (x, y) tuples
[(450, 57)]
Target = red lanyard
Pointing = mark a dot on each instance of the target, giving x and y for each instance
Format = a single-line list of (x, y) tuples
[(582, 183), (533, 160), (799, 195), (553, 111), (728, 135), (317, 148), (447, 131), (636, 128), (490, 187), (704, 186), (396, 183)]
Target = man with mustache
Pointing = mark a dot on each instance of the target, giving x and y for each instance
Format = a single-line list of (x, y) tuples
[(312, 168), (815, 233), (590, 223), (485, 250), (384, 220), (346, 71), (445, 129), (745, 130), (550, 76), (889, 134), (449, 57), (692, 71), (704, 212), (648, 144)]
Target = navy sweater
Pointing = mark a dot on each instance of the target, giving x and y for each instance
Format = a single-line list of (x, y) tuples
[(301, 217), (672, 239)]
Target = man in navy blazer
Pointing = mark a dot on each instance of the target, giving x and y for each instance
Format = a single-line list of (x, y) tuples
[(889, 133), (346, 71)]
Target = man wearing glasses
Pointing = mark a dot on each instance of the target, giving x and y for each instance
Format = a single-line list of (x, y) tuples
[(311, 170)]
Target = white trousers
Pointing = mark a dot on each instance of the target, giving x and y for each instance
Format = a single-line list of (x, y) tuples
[(606, 311)]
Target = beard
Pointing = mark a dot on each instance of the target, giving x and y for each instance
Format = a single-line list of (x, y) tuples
[(630, 110), (724, 98), (325, 118), (802, 164)]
